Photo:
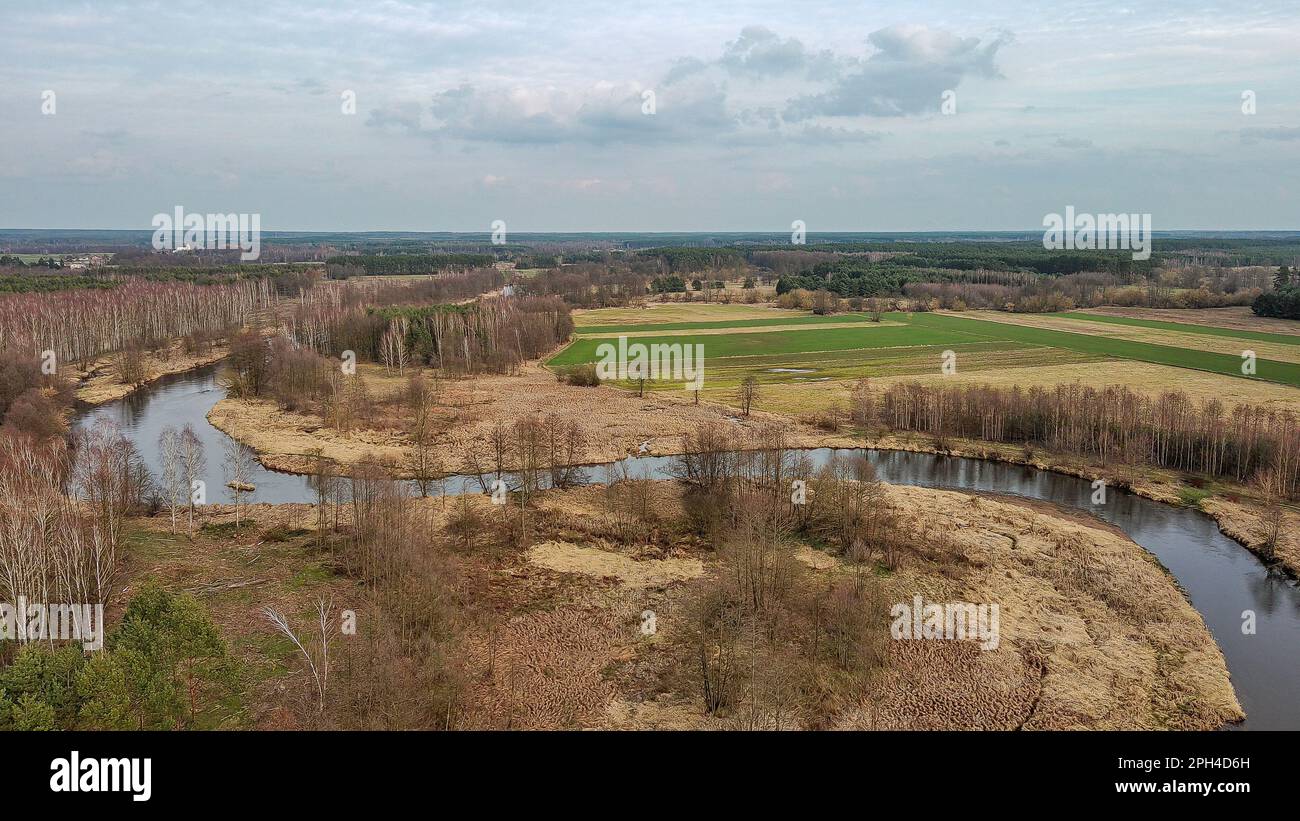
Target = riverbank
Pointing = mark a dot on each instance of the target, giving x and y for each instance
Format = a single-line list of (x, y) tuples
[(1092, 633), (1242, 518), (101, 382), (616, 424)]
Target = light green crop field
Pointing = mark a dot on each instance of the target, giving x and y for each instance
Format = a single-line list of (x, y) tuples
[(1186, 327), (849, 346)]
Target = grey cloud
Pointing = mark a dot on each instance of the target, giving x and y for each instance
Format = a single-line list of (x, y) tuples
[(401, 117), (1280, 132), (683, 68), (830, 135), (686, 111), (1072, 143), (759, 52), (908, 73)]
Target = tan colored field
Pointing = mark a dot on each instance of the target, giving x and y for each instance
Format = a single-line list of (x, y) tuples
[(1155, 336), (1093, 633), (563, 557), (614, 422), (665, 312), (762, 329), (1239, 318), (811, 397)]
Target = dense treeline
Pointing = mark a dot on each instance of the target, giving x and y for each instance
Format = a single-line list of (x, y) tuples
[(11, 261), (860, 277), (81, 325), (1284, 300), (342, 267), (590, 285), (379, 324), (1184, 288), (691, 260), (1111, 425), (31, 282)]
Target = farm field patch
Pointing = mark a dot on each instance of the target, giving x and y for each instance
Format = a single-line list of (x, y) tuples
[(1187, 327), (658, 313), (813, 368), (1189, 337), (1230, 364), (1238, 317)]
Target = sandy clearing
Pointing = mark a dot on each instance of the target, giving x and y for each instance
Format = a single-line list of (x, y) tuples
[(614, 422), (564, 557)]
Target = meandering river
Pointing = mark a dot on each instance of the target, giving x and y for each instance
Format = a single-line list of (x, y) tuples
[(1221, 578)]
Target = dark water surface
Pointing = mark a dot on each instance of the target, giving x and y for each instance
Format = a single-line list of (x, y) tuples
[(1221, 578)]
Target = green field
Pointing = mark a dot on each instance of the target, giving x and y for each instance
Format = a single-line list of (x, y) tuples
[(1185, 327), (849, 346)]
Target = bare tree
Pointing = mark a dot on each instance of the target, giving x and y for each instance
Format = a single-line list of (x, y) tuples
[(238, 469), (318, 655), (193, 464), (174, 487), (748, 393)]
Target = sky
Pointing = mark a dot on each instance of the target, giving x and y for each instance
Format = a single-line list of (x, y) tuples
[(674, 116)]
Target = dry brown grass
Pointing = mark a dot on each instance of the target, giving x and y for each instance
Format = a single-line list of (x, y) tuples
[(614, 422), (1239, 318), (100, 383), (665, 312), (563, 557), (1094, 633), (1154, 336), (1152, 380)]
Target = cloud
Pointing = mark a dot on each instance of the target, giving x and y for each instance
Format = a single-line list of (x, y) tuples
[(1281, 133), (830, 135), (760, 52), (399, 117), (691, 109), (908, 73), (1074, 143)]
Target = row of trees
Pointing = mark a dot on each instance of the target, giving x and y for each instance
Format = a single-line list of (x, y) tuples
[(80, 325), (1111, 425), (492, 335), (1283, 303)]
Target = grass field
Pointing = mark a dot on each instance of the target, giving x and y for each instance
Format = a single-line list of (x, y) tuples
[(1271, 346), (1185, 327), (808, 354)]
